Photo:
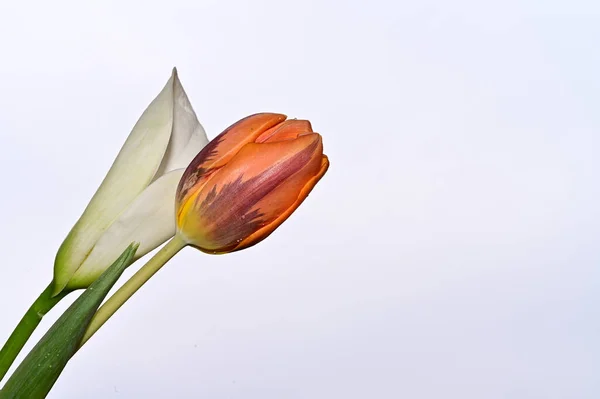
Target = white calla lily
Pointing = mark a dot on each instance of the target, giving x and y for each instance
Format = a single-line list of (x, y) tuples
[(135, 202)]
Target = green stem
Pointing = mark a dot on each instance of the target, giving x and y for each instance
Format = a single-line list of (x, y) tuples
[(26, 326), (132, 285)]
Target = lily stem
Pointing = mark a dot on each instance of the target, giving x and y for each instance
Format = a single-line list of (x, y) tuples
[(26, 327), (126, 291)]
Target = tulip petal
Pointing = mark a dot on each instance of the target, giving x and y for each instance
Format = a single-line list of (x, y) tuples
[(222, 149), (167, 122), (259, 184), (149, 220), (264, 232)]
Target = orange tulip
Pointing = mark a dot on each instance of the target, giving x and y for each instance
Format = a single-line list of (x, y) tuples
[(247, 181)]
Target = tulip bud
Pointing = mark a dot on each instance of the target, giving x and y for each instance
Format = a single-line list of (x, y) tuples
[(247, 181)]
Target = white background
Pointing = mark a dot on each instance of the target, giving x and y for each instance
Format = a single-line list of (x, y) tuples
[(451, 250)]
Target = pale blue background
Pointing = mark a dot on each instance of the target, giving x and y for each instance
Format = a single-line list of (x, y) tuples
[(450, 252)]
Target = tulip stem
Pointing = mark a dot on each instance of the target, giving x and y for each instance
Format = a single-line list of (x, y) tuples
[(126, 291), (27, 326)]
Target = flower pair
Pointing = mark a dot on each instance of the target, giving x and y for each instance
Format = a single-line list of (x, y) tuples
[(168, 182), (221, 196)]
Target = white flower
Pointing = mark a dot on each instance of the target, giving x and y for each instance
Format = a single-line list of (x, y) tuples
[(135, 202)]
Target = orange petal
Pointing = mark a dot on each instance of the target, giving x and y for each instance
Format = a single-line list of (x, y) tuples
[(264, 232), (259, 184), (287, 130), (221, 149)]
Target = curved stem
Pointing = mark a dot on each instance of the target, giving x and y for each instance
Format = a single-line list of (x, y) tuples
[(26, 326), (132, 285)]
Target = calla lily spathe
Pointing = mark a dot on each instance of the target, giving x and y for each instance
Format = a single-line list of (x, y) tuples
[(134, 203), (247, 181)]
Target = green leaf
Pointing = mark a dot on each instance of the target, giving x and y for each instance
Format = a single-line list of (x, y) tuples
[(38, 372)]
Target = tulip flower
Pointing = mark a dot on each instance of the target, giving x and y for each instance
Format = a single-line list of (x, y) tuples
[(242, 186), (248, 181), (134, 203)]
